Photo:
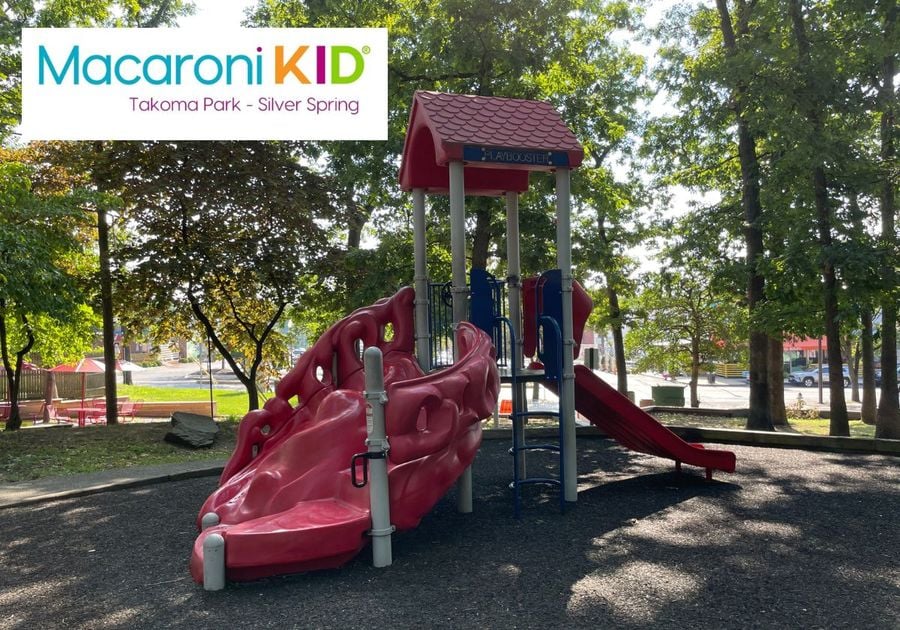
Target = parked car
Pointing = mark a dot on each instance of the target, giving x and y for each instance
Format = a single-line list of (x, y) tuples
[(810, 378), (878, 377)]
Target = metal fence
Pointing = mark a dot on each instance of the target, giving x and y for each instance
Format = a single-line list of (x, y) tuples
[(68, 385), (440, 324)]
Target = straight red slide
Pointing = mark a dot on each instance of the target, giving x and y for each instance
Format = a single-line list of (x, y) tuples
[(634, 428)]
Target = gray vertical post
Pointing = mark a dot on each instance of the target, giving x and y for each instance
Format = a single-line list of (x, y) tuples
[(379, 496), (214, 562), (514, 295), (567, 388), (514, 273), (423, 335), (210, 519), (460, 294)]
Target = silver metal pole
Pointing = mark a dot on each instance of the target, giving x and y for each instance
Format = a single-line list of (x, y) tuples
[(423, 337), (514, 295), (379, 494), (567, 388), (514, 274), (458, 243), (460, 295)]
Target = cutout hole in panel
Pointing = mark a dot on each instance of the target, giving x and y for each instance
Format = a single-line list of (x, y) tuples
[(320, 375), (266, 430), (387, 332), (359, 347), (254, 451), (422, 420)]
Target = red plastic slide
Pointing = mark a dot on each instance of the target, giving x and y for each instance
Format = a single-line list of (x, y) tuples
[(285, 501), (634, 428)]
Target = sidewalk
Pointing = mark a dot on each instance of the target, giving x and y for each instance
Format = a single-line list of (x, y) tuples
[(28, 492)]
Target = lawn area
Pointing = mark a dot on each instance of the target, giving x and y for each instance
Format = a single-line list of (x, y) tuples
[(36, 453), (818, 426), (228, 402)]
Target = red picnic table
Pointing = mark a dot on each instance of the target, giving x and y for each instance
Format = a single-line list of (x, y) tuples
[(86, 412)]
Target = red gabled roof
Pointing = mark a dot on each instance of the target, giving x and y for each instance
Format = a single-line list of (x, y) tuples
[(482, 131)]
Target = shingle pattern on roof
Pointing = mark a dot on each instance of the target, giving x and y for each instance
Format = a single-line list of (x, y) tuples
[(494, 121)]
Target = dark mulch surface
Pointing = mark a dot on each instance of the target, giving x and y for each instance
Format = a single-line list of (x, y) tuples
[(794, 539)]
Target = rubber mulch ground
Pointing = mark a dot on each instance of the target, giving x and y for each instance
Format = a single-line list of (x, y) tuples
[(792, 540)]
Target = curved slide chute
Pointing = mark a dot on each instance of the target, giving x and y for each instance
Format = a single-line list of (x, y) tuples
[(285, 501)]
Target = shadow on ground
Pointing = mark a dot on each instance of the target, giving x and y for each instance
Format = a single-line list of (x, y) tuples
[(793, 539)]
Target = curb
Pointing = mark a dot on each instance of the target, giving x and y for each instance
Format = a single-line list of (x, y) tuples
[(741, 437), (213, 469)]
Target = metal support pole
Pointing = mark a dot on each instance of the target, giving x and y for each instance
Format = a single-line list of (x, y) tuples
[(458, 244), (567, 387), (514, 294), (460, 295), (423, 335), (379, 495), (214, 562), (514, 274)]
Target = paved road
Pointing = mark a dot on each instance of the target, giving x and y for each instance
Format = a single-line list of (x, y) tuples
[(723, 394), (191, 375), (792, 540)]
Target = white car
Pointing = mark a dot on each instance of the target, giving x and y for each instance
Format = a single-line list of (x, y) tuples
[(810, 378)]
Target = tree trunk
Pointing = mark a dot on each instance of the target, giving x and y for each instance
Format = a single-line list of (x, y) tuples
[(615, 316), (615, 310), (127, 377), (840, 424), (13, 372), (248, 379), (14, 420), (866, 349), (106, 309), (481, 240), (868, 411), (695, 371), (888, 416), (777, 410), (758, 417), (852, 367), (50, 393)]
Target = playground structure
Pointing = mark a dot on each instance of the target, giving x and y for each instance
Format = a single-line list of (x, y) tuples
[(297, 493)]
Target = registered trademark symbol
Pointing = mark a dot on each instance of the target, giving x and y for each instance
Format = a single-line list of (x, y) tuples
[(366, 50)]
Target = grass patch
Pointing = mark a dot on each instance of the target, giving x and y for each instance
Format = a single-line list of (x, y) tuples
[(808, 426), (35, 453), (228, 402)]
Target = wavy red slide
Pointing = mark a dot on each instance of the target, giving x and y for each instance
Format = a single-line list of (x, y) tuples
[(285, 501), (634, 428)]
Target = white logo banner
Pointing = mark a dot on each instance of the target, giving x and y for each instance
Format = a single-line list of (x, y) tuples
[(188, 84)]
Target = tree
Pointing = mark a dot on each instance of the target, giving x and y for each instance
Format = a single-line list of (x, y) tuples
[(888, 418), (712, 143), (758, 415), (680, 323), (560, 50), (39, 255), (63, 13), (225, 237)]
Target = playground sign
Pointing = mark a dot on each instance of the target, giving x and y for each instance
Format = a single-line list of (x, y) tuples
[(524, 157), (186, 84)]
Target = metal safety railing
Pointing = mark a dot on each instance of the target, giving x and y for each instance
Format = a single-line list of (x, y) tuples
[(440, 324)]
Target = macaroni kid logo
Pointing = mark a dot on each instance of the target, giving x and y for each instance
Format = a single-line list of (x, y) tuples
[(130, 84)]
